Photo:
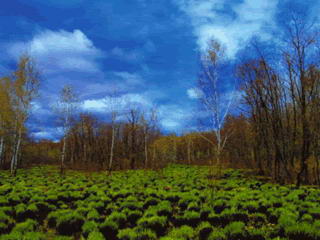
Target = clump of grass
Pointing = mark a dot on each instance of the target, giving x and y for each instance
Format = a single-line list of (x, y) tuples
[(127, 234), (156, 223), (204, 230), (150, 201), (191, 218), (93, 215), (66, 222), (183, 232), (133, 216), (217, 235), (109, 228), (95, 235), (300, 231), (88, 227), (164, 208), (235, 230), (307, 218)]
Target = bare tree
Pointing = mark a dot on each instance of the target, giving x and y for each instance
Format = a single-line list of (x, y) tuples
[(217, 103), (66, 108), (25, 85), (148, 123), (114, 103)]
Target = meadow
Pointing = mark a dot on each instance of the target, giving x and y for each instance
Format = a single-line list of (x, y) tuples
[(176, 203)]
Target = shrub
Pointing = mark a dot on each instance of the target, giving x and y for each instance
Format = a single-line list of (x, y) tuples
[(6, 223), (219, 206), (188, 218), (204, 230), (164, 208), (256, 234), (301, 231), (235, 230), (287, 219), (34, 236), (68, 222), (109, 228), (173, 197), (216, 219), (127, 234), (156, 223), (217, 234), (131, 205), (315, 212), (98, 206), (118, 217), (193, 206), (28, 226), (186, 200), (150, 201), (133, 216), (93, 215), (307, 218), (184, 232), (250, 206), (88, 227), (145, 234), (96, 235), (258, 218), (23, 211), (230, 215)]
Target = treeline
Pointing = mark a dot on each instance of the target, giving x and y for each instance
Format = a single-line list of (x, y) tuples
[(137, 144), (128, 144)]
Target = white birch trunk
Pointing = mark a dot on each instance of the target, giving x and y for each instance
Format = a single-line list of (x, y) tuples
[(12, 164), (17, 150), (63, 155)]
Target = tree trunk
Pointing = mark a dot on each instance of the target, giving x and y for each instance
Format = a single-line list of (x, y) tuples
[(145, 148), (1, 150), (14, 160), (63, 155), (189, 150), (112, 149)]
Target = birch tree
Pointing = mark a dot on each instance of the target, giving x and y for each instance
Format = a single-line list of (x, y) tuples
[(67, 106), (215, 100), (25, 85), (148, 123), (113, 104)]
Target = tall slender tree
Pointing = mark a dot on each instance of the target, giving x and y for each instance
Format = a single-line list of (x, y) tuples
[(66, 108), (25, 85), (217, 103)]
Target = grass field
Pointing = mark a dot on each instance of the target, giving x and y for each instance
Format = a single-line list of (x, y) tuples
[(176, 203)]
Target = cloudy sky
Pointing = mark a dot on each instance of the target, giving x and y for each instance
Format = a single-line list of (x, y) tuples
[(147, 49)]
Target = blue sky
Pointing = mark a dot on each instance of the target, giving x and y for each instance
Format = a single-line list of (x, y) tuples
[(147, 49)]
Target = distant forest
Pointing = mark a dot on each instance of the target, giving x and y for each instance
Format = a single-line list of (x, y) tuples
[(274, 127)]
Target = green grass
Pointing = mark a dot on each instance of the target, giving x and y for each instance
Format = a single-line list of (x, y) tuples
[(178, 202)]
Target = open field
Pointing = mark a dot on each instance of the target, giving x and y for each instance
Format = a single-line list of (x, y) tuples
[(174, 203)]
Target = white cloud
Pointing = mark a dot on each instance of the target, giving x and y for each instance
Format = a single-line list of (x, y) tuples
[(60, 51), (120, 103), (173, 117), (126, 55), (194, 93), (129, 78), (251, 17), (43, 135)]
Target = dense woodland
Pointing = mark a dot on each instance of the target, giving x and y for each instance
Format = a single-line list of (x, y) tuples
[(274, 128)]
